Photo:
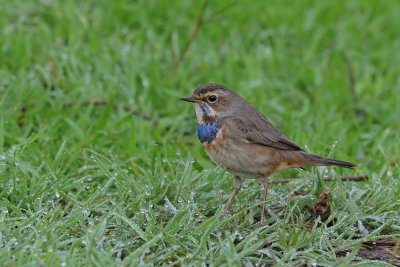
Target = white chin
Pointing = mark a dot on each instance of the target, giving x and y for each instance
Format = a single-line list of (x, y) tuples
[(199, 113)]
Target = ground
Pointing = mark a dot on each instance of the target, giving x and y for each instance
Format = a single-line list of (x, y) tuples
[(100, 163)]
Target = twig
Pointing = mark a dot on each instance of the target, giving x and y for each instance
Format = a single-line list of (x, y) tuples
[(190, 41), (382, 243), (222, 10), (383, 250), (355, 178)]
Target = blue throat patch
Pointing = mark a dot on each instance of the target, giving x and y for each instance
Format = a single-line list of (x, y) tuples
[(207, 131)]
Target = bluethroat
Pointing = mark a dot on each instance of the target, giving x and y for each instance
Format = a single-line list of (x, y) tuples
[(243, 142)]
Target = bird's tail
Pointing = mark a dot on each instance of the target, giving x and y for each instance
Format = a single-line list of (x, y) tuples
[(321, 161)]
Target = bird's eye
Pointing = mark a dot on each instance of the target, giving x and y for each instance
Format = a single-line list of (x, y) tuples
[(212, 98)]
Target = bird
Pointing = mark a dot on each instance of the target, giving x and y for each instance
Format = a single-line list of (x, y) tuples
[(243, 142)]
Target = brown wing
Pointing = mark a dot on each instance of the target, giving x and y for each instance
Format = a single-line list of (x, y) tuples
[(259, 131)]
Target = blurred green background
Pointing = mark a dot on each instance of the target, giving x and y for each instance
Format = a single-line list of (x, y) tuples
[(99, 161)]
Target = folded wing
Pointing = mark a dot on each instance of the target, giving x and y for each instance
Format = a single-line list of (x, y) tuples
[(262, 132)]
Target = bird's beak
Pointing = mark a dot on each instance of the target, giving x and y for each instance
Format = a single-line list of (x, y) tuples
[(188, 99)]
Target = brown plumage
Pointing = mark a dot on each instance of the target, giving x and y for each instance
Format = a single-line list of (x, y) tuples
[(242, 141)]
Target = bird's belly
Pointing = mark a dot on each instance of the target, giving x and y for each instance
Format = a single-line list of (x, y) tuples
[(237, 158)]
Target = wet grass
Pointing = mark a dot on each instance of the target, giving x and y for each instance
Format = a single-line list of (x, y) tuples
[(100, 164)]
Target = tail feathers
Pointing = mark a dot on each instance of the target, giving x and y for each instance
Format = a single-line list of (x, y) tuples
[(340, 163), (329, 162)]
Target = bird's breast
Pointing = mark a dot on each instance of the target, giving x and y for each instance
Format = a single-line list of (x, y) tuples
[(216, 148)]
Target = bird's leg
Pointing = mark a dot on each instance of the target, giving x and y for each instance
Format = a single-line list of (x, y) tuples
[(264, 181), (237, 183)]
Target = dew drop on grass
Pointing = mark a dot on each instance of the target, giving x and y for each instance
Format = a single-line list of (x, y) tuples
[(170, 206), (143, 211), (148, 190), (85, 212), (362, 228), (57, 194), (4, 210), (145, 83)]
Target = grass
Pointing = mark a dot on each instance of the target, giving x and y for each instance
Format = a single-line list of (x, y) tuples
[(87, 184)]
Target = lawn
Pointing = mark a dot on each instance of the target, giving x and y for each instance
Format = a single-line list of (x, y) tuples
[(100, 164)]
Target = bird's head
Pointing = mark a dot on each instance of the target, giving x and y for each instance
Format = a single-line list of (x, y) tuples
[(212, 101)]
